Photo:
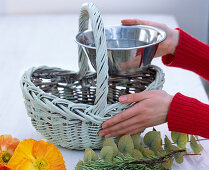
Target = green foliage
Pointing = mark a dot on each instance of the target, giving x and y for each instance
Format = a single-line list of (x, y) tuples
[(180, 139), (110, 142), (147, 152), (197, 148), (125, 144), (168, 144), (153, 140), (169, 148), (137, 141), (156, 147), (90, 155), (79, 164), (179, 157), (129, 153), (107, 153), (151, 137), (168, 163), (137, 154)]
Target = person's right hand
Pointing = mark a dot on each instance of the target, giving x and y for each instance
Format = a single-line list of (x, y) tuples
[(168, 46)]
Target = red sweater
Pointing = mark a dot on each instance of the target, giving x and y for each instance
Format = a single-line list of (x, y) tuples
[(188, 115)]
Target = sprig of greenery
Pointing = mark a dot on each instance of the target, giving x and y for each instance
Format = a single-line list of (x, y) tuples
[(129, 153), (123, 162)]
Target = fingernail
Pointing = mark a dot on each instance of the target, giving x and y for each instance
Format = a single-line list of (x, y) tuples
[(101, 134), (104, 126), (108, 136), (122, 98)]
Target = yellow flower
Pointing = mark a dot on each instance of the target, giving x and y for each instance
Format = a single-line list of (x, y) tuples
[(7, 147), (36, 155)]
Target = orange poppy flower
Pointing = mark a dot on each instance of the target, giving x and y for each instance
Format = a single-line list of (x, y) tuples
[(7, 147), (3, 167), (36, 155)]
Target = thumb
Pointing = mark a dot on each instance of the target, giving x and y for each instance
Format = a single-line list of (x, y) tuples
[(135, 97)]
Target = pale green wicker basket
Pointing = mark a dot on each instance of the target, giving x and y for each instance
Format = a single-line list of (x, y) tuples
[(68, 107)]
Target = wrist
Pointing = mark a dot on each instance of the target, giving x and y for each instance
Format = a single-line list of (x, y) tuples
[(174, 41), (170, 98)]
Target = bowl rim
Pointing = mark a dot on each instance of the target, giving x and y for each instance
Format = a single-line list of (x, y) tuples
[(160, 31)]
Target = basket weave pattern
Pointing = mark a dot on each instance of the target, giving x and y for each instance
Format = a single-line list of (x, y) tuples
[(68, 107)]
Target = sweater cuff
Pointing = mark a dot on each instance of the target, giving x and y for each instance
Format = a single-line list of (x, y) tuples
[(188, 115)]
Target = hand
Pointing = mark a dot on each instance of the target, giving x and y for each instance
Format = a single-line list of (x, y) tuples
[(151, 109), (168, 46)]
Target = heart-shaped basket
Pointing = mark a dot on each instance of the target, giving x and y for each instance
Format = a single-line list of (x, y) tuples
[(68, 107)]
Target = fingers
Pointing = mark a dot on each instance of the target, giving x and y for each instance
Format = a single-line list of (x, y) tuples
[(144, 22), (135, 131), (125, 115), (136, 22), (130, 22), (136, 120), (135, 97), (131, 129)]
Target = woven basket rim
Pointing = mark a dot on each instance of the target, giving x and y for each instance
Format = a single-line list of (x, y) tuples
[(30, 71)]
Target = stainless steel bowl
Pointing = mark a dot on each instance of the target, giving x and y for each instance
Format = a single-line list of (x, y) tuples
[(128, 47)]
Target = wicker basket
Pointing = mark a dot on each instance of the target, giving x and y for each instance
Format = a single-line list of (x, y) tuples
[(68, 107)]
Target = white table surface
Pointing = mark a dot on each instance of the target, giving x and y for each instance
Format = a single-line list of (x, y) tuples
[(27, 41)]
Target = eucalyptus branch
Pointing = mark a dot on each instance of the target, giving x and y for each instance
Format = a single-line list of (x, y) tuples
[(129, 153), (159, 160), (120, 163)]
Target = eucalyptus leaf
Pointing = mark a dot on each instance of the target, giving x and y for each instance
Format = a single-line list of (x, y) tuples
[(110, 142), (125, 144), (168, 163), (137, 154), (180, 139), (151, 137), (87, 156), (136, 140), (179, 157), (197, 148), (156, 146), (107, 153), (169, 148), (141, 148), (168, 144), (147, 152), (93, 154), (80, 163)]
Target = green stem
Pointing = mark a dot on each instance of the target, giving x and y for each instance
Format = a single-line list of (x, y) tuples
[(159, 160), (192, 154)]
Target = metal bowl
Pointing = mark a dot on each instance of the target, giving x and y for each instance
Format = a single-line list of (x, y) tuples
[(128, 47)]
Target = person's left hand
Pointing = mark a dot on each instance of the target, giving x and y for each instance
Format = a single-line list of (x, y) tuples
[(151, 109)]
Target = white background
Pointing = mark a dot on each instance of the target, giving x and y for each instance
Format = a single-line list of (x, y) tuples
[(192, 15), (35, 40)]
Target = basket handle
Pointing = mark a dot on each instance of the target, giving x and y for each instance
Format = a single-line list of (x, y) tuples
[(89, 10)]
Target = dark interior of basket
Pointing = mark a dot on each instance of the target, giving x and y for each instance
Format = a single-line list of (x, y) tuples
[(64, 85)]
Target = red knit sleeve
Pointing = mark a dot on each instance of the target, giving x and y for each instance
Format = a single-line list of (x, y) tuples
[(188, 115), (191, 54)]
